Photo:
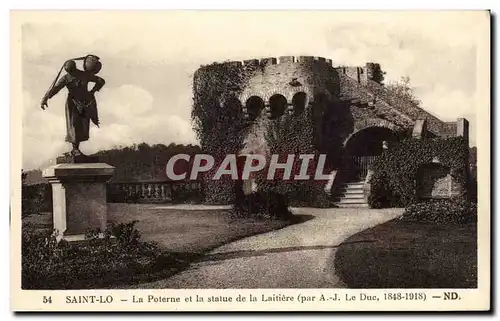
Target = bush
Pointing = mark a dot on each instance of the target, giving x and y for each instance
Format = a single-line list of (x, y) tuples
[(36, 198), (219, 192), (187, 194), (306, 194), (380, 196), (442, 211), (47, 264), (263, 205)]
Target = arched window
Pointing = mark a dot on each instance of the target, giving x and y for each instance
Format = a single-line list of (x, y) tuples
[(299, 101), (254, 107), (232, 103), (232, 108), (278, 105)]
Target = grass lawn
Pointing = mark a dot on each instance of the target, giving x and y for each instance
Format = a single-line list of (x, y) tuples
[(182, 235), (402, 254)]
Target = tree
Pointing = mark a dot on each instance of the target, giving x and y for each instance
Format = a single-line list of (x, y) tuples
[(24, 175), (402, 90)]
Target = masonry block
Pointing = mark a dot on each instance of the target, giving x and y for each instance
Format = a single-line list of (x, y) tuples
[(251, 62), (463, 128), (269, 61), (284, 59), (305, 59)]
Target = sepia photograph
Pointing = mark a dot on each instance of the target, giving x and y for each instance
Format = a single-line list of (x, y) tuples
[(228, 150)]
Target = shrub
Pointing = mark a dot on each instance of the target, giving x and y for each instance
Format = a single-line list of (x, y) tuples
[(47, 264), (39, 255), (36, 198), (380, 195), (442, 211), (185, 193), (126, 234), (263, 205)]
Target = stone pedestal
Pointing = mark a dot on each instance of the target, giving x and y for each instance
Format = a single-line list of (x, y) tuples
[(79, 198), (76, 159)]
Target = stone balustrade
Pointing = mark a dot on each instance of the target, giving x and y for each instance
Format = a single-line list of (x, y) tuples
[(149, 191)]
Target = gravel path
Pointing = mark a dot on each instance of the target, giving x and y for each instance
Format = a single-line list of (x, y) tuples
[(298, 256)]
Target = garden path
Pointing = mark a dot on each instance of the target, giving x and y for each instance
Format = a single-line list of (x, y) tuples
[(297, 256)]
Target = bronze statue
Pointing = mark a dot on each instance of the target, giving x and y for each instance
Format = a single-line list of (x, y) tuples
[(81, 105)]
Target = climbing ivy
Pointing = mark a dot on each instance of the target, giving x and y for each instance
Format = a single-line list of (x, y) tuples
[(295, 134), (221, 128), (216, 113), (218, 120), (394, 179)]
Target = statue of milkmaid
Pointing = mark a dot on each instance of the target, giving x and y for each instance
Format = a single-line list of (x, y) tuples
[(81, 105)]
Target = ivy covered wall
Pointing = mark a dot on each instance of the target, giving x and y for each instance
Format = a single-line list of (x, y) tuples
[(395, 173), (218, 121), (222, 129)]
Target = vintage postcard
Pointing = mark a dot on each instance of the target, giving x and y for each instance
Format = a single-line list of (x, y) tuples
[(250, 161)]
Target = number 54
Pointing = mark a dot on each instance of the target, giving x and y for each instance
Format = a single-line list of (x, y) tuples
[(47, 299)]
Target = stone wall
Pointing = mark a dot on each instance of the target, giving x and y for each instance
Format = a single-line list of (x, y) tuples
[(289, 75), (435, 181)]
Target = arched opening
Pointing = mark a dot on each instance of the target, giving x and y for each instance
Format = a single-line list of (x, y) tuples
[(433, 181), (232, 108), (299, 101), (254, 107), (233, 103), (370, 141), (362, 148), (277, 104)]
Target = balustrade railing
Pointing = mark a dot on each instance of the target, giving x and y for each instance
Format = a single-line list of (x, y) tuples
[(152, 192)]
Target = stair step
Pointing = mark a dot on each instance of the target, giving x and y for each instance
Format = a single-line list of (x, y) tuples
[(352, 201), (353, 197), (344, 205), (355, 184), (353, 191), (354, 188)]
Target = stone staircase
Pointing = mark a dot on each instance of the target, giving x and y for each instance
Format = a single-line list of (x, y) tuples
[(350, 194)]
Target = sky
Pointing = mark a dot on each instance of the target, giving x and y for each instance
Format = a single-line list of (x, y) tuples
[(149, 59)]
